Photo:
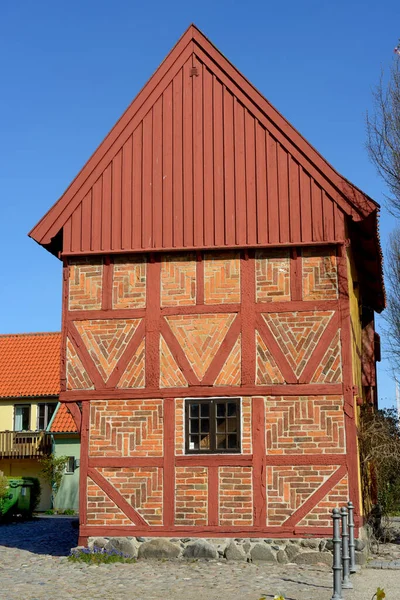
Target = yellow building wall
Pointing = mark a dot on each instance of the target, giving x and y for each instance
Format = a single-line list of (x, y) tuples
[(7, 411)]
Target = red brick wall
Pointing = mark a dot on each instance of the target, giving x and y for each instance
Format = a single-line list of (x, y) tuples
[(142, 330)]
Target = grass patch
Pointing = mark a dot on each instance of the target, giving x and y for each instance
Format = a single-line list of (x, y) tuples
[(99, 556)]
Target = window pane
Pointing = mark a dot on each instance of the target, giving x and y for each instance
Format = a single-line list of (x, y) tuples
[(221, 441), (232, 425), (50, 412), (220, 410), (221, 425), (232, 407), (205, 409), (194, 442), (232, 440), (194, 410), (70, 466), (205, 425), (194, 425), (205, 442)]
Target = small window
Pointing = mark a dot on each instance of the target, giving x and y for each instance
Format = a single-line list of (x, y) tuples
[(70, 464), (22, 417), (45, 412), (212, 425)]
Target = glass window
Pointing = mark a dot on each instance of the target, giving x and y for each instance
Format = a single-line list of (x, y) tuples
[(45, 412), (213, 425), (22, 417), (70, 464)]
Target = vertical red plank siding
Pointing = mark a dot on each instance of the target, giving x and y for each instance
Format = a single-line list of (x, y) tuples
[(328, 217), (262, 199), (188, 224), (229, 160), (198, 173), (67, 233), (126, 193), (251, 198), (137, 180), (273, 204), (219, 190), (116, 191), (86, 222), (167, 135), (305, 196), (240, 175), (316, 208), (208, 180), (106, 209), (338, 217), (76, 228), (96, 214), (283, 194), (177, 162), (294, 201), (157, 187), (147, 180)]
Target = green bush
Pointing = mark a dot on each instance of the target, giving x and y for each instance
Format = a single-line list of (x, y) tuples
[(97, 556)]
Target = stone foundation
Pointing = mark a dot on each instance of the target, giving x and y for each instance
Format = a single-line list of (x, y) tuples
[(310, 551)]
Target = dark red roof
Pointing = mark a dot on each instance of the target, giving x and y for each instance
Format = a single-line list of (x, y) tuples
[(201, 159), (30, 364), (62, 421)]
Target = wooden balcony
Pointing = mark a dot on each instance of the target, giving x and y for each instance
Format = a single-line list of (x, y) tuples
[(25, 444)]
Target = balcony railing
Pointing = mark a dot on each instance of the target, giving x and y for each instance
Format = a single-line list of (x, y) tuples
[(24, 444)]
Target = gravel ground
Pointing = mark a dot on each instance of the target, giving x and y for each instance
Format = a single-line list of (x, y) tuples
[(33, 566)]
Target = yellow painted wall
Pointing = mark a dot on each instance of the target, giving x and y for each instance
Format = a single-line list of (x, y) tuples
[(7, 411), (355, 315), (28, 467)]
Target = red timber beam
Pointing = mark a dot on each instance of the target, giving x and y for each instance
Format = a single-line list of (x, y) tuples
[(348, 395), (168, 463), (259, 462), (247, 314), (153, 322), (83, 473), (76, 414)]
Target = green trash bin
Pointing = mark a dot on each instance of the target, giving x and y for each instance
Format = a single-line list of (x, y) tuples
[(18, 498)]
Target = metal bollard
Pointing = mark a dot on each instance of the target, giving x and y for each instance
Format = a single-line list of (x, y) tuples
[(346, 583), (352, 544), (337, 562)]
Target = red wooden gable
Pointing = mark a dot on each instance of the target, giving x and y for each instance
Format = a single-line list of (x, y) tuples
[(201, 159)]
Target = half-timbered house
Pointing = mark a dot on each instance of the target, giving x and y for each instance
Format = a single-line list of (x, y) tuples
[(220, 284)]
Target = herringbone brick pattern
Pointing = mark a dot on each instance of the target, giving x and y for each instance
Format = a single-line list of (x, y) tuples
[(134, 375), (170, 373), (319, 274), (191, 496), (129, 283), (230, 373), (288, 487), (222, 278), (178, 280), (304, 425), (330, 368), (235, 496), (246, 426), (101, 510), (179, 426), (142, 487), (106, 340), (200, 337), (297, 334), (267, 371), (85, 284), (321, 515), (77, 377), (272, 275), (126, 428)]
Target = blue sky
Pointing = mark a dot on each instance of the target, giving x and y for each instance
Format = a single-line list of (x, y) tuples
[(68, 71)]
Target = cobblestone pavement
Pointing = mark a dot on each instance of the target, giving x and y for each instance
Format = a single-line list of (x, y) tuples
[(33, 566)]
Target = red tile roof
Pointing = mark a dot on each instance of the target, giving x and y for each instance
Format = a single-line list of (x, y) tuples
[(63, 421), (30, 364)]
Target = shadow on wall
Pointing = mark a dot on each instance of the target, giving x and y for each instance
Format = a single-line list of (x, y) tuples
[(42, 535)]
